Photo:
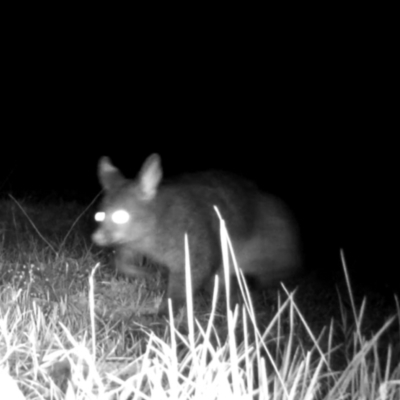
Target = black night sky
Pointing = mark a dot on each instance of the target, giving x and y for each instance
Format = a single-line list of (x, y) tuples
[(314, 128)]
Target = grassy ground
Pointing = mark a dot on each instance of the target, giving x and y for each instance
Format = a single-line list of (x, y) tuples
[(71, 329)]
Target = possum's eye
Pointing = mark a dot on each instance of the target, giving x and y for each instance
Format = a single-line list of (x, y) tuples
[(120, 217), (99, 216)]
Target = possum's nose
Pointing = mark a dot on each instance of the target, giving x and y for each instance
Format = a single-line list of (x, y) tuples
[(100, 238)]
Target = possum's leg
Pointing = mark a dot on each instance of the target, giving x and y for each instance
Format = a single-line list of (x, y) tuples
[(177, 288), (176, 292), (126, 262)]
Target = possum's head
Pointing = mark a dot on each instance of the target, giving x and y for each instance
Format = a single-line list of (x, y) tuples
[(127, 212)]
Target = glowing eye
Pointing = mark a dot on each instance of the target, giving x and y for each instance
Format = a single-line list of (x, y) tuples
[(100, 216), (120, 217)]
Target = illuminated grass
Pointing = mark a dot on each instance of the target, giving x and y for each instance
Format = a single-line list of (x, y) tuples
[(92, 336)]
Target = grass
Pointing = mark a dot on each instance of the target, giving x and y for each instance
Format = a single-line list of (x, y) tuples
[(71, 329)]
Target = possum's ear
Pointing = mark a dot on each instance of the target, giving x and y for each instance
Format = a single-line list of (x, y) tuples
[(109, 176), (150, 176)]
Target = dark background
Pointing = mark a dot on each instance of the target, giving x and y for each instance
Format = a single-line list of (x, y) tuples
[(307, 114)]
